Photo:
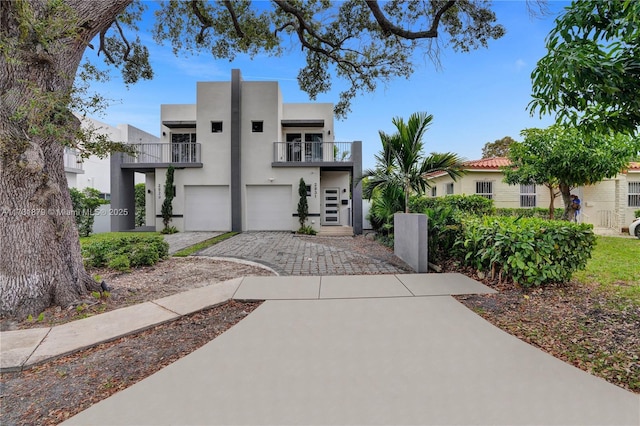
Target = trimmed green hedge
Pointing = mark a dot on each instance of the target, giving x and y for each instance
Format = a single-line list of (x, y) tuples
[(468, 204), (529, 212), (124, 251), (528, 251)]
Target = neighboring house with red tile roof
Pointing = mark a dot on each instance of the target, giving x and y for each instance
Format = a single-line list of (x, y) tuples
[(607, 204)]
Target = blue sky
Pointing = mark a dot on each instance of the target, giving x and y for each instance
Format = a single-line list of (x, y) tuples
[(475, 97)]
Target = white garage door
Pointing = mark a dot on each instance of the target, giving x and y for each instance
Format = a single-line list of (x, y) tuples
[(269, 208), (207, 208)]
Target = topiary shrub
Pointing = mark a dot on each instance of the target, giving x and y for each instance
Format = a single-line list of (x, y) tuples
[(527, 251)]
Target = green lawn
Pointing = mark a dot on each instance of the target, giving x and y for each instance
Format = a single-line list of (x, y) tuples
[(615, 266)]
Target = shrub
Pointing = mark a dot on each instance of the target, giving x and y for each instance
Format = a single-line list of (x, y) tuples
[(529, 251), (167, 205), (123, 251), (120, 263), (306, 230), (444, 229), (85, 203), (637, 213), (468, 204), (140, 190), (539, 212)]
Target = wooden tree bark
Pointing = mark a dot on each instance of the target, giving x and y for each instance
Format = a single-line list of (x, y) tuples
[(40, 260)]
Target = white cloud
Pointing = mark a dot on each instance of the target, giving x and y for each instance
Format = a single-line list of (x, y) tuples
[(520, 64)]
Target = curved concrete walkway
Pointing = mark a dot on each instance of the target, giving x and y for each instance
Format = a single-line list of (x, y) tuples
[(366, 350)]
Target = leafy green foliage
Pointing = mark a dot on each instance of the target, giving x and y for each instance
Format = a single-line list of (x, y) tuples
[(590, 75), (528, 251), (140, 190), (360, 42), (497, 148), (306, 230), (85, 203), (167, 204), (123, 251), (566, 158), (402, 164), (303, 206), (385, 202), (467, 204), (529, 212), (443, 230)]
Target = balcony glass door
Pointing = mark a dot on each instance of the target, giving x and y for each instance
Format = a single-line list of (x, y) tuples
[(313, 147), (183, 147), (294, 147)]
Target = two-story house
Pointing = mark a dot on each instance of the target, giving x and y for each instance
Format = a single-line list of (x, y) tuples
[(239, 154)]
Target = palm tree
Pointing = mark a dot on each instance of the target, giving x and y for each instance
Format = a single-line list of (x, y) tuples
[(402, 164)]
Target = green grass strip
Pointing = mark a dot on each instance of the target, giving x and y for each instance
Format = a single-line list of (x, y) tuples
[(188, 251)]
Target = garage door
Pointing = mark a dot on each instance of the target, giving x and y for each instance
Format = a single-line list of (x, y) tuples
[(207, 208), (269, 208)]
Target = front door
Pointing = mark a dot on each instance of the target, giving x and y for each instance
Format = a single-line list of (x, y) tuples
[(331, 209)]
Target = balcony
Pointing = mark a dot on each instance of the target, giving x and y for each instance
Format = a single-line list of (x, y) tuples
[(72, 161), (312, 154), (152, 155)]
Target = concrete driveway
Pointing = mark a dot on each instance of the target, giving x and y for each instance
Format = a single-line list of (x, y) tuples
[(357, 350)]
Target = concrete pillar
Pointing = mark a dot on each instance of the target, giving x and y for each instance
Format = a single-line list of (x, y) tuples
[(356, 193), (236, 142), (410, 240), (123, 197)]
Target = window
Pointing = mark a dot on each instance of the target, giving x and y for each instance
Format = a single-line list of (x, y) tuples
[(448, 188), (485, 189), (313, 146), (434, 191), (183, 149), (216, 127), (634, 194), (256, 126), (527, 195), (308, 190)]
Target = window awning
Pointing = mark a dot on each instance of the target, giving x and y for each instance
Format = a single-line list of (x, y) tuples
[(302, 123), (180, 124)]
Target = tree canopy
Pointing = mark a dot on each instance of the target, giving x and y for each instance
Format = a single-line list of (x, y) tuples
[(497, 148), (362, 42), (590, 75), (564, 158)]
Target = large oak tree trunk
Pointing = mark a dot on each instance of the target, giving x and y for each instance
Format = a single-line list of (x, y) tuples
[(40, 260)]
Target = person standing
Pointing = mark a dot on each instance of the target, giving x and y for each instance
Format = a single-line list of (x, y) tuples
[(575, 207)]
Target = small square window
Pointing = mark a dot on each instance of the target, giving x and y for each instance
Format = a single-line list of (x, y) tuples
[(216, 127), (256, 126)]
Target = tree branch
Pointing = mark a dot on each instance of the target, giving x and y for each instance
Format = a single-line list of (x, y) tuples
[(234, 18), (204, 20), (389, 28)]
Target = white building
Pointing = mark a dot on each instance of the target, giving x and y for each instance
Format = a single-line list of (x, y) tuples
[(239, 154), (94, 172), (609, 204)]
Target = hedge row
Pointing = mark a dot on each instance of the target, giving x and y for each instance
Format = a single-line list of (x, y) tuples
[(470, 204), (530, 212), (529, 251), (124, 251)]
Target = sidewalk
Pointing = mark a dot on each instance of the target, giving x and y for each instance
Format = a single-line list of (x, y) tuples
[(391, 349)]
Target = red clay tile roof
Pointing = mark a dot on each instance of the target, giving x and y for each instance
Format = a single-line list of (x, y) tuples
[(634, 165), (487, 163)]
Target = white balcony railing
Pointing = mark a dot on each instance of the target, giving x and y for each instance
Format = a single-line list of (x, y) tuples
[(311, 152), (164, 153), (72, 160)]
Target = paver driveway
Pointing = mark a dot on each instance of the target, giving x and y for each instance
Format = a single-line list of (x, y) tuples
[(290, 254)]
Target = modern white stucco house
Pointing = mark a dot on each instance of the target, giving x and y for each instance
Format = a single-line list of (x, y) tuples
[(239, 153), (610, 203)]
